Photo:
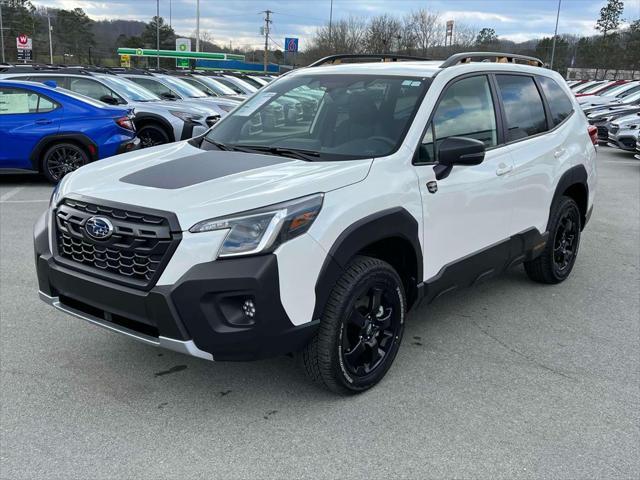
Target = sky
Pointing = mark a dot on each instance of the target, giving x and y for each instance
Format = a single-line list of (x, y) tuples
[(239, 21)]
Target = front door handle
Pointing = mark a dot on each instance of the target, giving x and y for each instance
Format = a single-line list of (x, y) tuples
[(558, 153), (503, 169), (43, 122)]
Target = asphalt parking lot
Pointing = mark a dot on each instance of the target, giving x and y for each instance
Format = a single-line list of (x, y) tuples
[(508, 380)]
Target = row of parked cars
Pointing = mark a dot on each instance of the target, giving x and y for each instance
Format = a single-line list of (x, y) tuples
[(55, 119), (614, 108)]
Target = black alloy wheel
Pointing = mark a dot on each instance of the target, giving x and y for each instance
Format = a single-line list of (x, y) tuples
[(371, 330), (565, 244), (360, 328), (61, 159), (151, 135), (555, 263)]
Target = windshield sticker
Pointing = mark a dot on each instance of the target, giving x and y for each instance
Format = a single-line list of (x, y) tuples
[(250, 106)]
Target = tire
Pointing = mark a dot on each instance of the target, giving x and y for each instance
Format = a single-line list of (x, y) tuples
[(62, 158), (151, 135), (555, 263), (351, 327)]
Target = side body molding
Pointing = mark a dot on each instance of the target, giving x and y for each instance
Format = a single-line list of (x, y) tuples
[(393, 223)]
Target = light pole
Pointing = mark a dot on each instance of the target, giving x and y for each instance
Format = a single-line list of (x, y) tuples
[(197, 25), (330, 25), (1, 34), (50, 44), (555, 35), (158, 34)]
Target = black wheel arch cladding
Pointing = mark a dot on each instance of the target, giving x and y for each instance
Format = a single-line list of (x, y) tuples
[(142, 120), (573, 183), (394, 226), (77, 138)]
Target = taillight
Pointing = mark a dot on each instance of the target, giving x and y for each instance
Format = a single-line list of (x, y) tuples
[(126, 123), (593, 133)]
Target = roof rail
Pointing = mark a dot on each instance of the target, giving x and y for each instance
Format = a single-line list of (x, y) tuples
[(43, 68), (497, 57), (381, 57)]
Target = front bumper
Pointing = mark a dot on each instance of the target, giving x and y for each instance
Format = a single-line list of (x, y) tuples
[(200, 314), (623, 142)]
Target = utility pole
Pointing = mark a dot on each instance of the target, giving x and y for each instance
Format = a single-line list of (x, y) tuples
[(267, 22), (330, 25), (1, 34), (170, 14), (158, 34), (50, 44), (197, 25), (553, 48)]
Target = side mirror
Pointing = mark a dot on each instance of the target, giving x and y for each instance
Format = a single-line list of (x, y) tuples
[(458, 151), (168, 96), (109, 100)]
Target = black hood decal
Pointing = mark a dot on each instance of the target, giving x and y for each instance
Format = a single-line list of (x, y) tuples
[(202, 167)]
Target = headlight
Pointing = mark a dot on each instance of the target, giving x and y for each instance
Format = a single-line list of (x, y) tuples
[(186, 116), (55, 194), (262, 230), (629, 126), (226, 108)]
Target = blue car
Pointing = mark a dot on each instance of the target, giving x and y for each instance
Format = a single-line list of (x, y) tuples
[(55, 131)]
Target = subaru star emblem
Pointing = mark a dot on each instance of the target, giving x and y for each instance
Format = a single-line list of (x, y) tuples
[(99, 228)]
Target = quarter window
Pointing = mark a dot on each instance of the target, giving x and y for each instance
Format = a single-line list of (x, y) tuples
[(559, 104), (523, 106)]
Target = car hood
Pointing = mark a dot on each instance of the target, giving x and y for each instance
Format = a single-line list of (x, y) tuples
[(197, 184)]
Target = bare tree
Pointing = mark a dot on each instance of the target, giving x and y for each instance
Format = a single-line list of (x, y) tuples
[(464, 36), (428, 30), (383, 34)]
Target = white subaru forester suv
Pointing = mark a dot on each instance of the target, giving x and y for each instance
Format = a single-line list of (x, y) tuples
[(410, 179)]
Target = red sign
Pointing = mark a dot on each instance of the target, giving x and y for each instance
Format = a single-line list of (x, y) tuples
[(22, 39)]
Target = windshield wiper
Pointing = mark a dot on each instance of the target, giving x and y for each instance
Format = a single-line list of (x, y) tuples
[(220, 145), (306, 155)]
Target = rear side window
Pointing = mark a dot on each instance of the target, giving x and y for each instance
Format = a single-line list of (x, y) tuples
[(559, 104), (89, 88), (523, 106), (17, 101)]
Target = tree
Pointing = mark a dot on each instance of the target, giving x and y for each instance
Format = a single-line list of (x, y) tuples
[(427, 30), (610, 14), (383, 33), (486, 37), (544, 48), (74, 34), (19, 17), (167, 35)]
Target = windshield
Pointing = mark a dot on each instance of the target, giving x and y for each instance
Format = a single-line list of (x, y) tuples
[(356, 116), (246, 87), (183, 88), (216, 86), (129, 89)]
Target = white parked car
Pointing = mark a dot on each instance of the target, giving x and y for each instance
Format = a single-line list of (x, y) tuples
[(410, 179), (623, 132)]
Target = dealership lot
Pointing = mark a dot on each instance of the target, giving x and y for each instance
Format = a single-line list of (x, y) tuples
[(509, 379)]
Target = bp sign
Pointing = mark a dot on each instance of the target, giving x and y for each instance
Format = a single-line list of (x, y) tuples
[(183, 45)]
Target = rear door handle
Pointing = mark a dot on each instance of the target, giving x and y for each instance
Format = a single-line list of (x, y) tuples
[(43, 122), (503, 169)]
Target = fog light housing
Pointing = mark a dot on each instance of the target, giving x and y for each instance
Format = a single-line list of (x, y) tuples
[(249, 308)]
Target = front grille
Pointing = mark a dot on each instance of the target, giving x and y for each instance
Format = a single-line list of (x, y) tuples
[(135, 253)]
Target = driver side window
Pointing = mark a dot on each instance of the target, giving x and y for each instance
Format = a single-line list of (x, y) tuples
[(465, 110)]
